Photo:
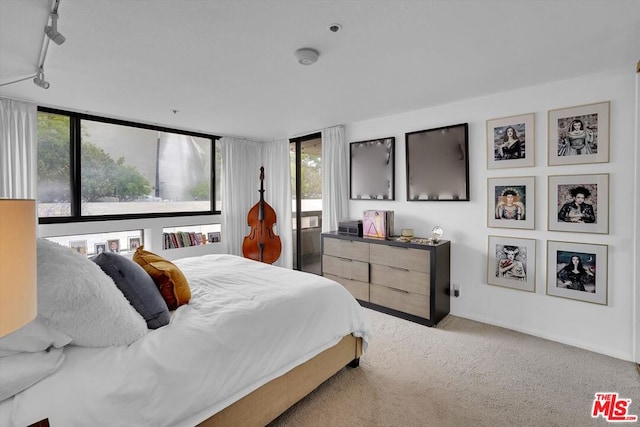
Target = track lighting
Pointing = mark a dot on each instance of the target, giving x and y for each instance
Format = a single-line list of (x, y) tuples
[(52, 30), (39, 79)]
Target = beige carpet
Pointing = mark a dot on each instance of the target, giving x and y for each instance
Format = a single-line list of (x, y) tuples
[(465, 373)]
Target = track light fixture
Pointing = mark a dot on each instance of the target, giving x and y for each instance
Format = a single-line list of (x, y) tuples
[(52, 30), (39, 79)]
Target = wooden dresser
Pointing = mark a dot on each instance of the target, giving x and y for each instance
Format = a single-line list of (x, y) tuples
[(402, 279)]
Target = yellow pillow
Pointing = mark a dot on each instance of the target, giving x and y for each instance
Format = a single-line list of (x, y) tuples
[(173, 286)]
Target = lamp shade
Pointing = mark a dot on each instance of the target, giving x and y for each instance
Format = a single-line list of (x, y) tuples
[(18, 264)]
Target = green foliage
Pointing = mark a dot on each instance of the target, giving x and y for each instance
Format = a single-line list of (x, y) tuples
[(54, 176), (202, 191), (311, 176), (102, 176)]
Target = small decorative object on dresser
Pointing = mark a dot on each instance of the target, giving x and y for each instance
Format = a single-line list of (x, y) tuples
[(377, 224), (436, 234), (406, 280), (353, 228)]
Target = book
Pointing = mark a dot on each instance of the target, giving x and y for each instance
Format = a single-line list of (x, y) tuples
[(377, 224)]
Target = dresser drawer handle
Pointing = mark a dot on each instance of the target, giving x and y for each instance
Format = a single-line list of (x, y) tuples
[(399, 290), (345, 259), (398, 268)]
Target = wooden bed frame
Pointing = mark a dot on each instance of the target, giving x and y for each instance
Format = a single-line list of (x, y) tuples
[(266, 403)]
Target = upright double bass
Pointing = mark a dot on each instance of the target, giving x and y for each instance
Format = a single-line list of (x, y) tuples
[(262, 243)]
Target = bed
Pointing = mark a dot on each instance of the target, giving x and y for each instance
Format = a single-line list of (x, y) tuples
[(251, 341)]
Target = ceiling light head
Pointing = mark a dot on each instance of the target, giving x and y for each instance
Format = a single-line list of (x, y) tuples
[(52, 30), (307, 56), (40, 81)]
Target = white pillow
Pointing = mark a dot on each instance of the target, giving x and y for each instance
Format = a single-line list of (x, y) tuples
[(20, 371), (77, 298), (33, 337)]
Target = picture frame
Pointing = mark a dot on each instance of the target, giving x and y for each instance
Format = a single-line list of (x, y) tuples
[(511, 141), (213, 236), (134, 243), (79, 246), (99, 248), (511, 263), (437, 164), (372, 169), (113, 245), (588, 142), (585, 279), (578, 203), (511, 202)]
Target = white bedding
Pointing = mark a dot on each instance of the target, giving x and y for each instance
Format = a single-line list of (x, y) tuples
[(246, 323)]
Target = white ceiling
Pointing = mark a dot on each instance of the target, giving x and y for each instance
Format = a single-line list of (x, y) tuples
[(228, 66)]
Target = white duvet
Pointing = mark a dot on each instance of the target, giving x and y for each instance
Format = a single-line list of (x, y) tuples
[(246, 323)]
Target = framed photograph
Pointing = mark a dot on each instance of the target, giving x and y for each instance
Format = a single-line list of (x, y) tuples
[(213, 236), (579, 203), (438, 164), (579, 134), (577, 271), (79, 246), (511, 263), (113, 245), (99, 248), (510, 142), (511, 202), (372, 168), (134, 243)]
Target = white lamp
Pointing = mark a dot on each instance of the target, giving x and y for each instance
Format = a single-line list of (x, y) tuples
[(18, 264)]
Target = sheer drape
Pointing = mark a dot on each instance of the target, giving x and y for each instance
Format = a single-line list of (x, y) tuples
[(239, 182), (277, 168), (335, 178), (18, 138)]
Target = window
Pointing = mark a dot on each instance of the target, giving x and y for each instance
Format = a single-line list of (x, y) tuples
[(94, 168)]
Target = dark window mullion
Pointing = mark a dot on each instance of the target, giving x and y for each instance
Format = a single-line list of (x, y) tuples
[(76, 188)]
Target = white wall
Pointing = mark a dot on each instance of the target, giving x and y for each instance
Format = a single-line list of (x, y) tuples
[(605, 329)]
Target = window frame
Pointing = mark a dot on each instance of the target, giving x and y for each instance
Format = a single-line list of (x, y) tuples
[(75, 120)]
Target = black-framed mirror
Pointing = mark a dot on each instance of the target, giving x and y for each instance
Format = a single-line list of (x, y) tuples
[(438, 164), (372, 169)]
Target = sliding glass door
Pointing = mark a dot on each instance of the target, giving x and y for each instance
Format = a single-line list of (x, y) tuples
[(306, 190)]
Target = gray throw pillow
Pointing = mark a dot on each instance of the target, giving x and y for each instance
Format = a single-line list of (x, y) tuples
[(137, 286)]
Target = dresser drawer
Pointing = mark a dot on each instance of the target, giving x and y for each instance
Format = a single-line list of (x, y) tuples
[(359, 290), (346, 268), (400, 278), (349, 249), (407, 258), (407, 302)]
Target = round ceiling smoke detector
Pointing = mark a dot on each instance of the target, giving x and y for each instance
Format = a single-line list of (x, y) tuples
[(307, 56)]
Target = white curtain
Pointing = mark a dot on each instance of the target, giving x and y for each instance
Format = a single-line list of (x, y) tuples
[(18, 149), (276, 157), (335, 178), (240, 181)]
